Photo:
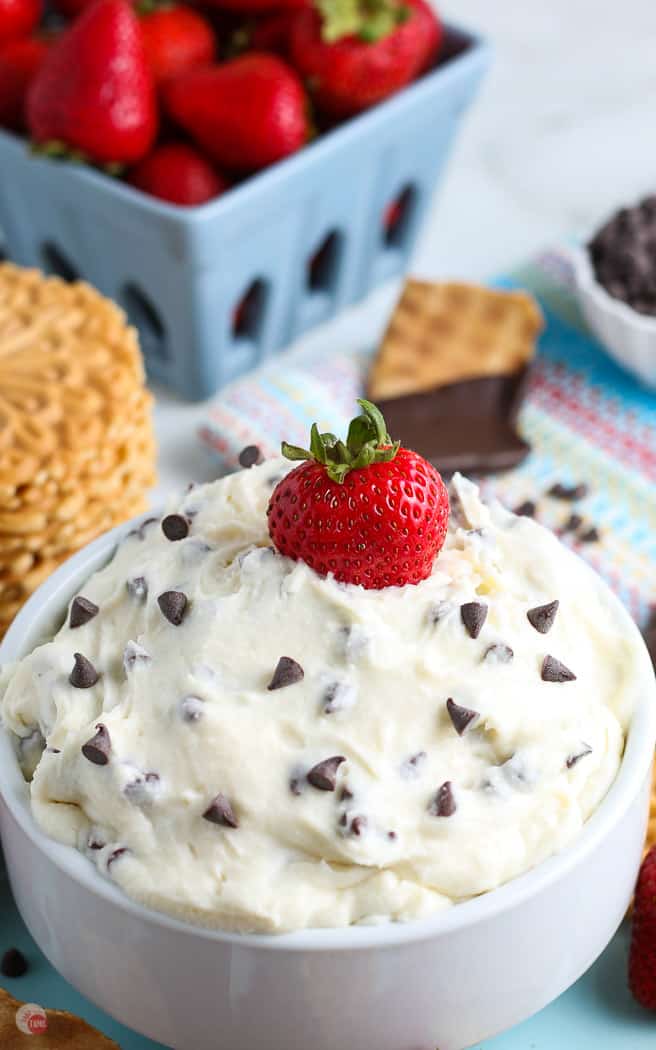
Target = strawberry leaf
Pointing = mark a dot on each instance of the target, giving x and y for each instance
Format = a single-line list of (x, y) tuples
[(367, 442)]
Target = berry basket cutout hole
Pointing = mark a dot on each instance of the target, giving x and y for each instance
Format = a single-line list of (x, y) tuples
[(397, 217), (323, 264), (146, 318), (56, 262), (248, 314)]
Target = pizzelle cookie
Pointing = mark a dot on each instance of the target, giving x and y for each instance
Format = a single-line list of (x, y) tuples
[(77, 449), (447, 333), (28, 1026)]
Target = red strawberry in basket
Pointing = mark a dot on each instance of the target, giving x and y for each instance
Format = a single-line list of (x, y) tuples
[(246, 114), (272, 32), (18, 18), (353, 56), (256, 7), (94, 92), (368, 511), (176, 39), (642, 956), (177, 173), (19, 62)]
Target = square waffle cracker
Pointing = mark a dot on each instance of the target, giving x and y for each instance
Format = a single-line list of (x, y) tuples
[(447, 333), (77, 449)]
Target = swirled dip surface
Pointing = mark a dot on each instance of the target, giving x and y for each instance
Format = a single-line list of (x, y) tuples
[(206, 791)]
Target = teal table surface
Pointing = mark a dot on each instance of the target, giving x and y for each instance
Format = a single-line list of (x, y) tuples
[(596, 1014)]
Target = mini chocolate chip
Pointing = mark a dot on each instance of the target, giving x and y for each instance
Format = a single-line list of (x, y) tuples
[(461, 717), (438, 611), (343, 821), (175, 527), (337, 697), (13, 963), (137, 588), (323, 776), (554, 671), (142, 788), (542, 616), (191, 708), (573, 523), (53, 750), (410, 768), (345, 794), (473, 616), (221, 812), (84, 674), (526, 509), (97, 749), (116, 855), (392, 836), (173, 605), (444, 803), (358, 825), (499, 653), (143, 528), (134, 654), (591, 535), (287, 672), (570, 493), (94, 842), (573, 759), (296, 786), (82, 610), (250, 456)]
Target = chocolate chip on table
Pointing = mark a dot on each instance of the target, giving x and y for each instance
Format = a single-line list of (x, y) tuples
[(287, 672), (82, 610), (13, 963), (137, 588), (542, 617), (591, 535), (250, 456), (555, 671), (473, 616), (499, 653), (173, 605), (323, 776), (444, 803), (526, 509), (572, 523), (134, 654), (97, 749), (569, 493), (191, 708), (461, 717), (84, 674), (175, 527), (573, 759), (221, 812)]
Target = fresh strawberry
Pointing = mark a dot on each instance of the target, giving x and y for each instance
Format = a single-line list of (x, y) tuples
[(177, 173), (368, 511), (176, 39), (642, 955), (94, 92), (71, 8), (256, 7), (18, 18), (356, 54), (19, 63), (246, 114), (271, 33)]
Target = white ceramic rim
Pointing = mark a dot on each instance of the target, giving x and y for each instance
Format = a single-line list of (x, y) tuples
[(588, 285), (635, 766)]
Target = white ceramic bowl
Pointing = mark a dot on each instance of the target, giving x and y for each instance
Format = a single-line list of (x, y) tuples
[(629, 337), (447, 982)]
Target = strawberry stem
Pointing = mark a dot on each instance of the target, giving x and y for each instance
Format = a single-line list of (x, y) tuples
[(370, 20), (367, 442)]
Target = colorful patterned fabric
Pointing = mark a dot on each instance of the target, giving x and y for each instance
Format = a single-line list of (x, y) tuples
[(586, 420)]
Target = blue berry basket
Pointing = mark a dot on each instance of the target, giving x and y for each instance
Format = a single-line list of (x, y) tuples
[(214, 290)]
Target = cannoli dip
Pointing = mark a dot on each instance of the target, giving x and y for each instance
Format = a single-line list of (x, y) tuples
[(239, 742)]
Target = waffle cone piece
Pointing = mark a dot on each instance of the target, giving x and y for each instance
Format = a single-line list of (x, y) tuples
[(76, 441), (447, 333), (64, 1031)]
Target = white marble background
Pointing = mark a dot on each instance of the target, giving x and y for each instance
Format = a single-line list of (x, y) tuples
[(564, 131)]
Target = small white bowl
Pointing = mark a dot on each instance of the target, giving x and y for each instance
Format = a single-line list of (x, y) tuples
[(448, 981), (629, 337)]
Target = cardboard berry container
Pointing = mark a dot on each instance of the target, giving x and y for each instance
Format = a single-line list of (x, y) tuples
[(215, 289)]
